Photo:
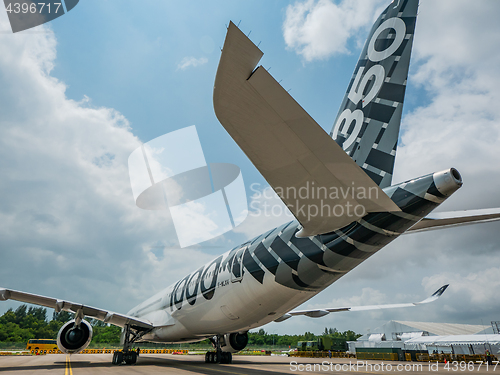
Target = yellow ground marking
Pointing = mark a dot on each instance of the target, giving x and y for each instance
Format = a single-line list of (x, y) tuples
[(69, 370)]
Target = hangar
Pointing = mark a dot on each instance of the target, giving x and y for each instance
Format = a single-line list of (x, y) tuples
[(441, 337)]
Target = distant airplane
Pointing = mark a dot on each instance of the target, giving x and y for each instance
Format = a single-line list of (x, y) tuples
[(338, 187)]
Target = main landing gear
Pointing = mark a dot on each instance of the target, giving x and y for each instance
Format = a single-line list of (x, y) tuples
[(129, 357), (131, 335), (218, 356), (222, 357)]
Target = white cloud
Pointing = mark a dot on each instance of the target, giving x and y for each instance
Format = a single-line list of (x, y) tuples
[(266, 211), (70, 227), (457, 67), (318, 29), (191, 61), (454, 82), (368, 296), (478, 289), (69, 223)]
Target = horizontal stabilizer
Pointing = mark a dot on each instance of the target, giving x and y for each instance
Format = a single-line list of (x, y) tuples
[(439, 220), (106, 316), (309, 171), (322, 312)]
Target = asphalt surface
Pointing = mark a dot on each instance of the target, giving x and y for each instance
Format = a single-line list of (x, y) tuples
[(79, 364)]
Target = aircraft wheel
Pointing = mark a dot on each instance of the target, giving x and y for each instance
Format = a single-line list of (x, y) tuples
[(119, 358), (207, 357), (224, 357), (131, 358)]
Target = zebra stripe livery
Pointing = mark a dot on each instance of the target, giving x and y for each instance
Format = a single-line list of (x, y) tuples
[(367, 124), (314, 263)]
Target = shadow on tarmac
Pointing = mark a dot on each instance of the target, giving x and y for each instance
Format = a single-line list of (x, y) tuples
[(196, 365)]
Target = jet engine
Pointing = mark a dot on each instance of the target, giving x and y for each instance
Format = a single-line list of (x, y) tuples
[(234, 342), (72, 339)]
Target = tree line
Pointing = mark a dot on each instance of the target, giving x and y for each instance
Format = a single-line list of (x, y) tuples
[(263, 338), (26, 323)]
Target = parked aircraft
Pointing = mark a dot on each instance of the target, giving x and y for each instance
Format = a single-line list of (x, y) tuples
[(337, 185)]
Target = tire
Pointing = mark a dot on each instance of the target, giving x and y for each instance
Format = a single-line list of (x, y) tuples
[(217, 357), (226, 358), (119, 358), (130, 358), (207, 357)]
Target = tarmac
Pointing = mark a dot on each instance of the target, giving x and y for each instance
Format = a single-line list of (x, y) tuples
[(60, 364)]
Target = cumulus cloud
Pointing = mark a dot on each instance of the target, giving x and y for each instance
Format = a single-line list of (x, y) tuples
[(454, 82), (478, 289), (191, 62), (70, 227), (318, 29), (456, 67), (69, 223), (368, 296), (266, 211)]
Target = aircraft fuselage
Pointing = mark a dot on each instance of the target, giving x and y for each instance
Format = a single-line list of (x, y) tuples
[(264, 278)]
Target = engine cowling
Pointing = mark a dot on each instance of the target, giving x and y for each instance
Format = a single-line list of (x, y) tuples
[(72, 339), (234, 342)]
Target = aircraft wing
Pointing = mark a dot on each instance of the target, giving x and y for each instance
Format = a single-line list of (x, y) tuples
[(440, 220), (106, 316), (309, 171), (318, 313)]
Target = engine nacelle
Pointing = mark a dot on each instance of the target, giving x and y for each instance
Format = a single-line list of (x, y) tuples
[(71, 339), (234, 342), (448, 181)]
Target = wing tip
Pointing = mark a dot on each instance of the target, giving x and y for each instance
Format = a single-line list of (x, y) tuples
[(440, 291), (4, 294)]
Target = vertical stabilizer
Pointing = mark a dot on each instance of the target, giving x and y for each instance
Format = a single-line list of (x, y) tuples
[(367, 125)]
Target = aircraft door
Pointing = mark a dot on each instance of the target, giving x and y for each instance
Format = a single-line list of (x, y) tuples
[(237, 266)]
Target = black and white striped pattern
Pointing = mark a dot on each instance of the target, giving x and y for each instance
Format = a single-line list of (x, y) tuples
[(314, 263)]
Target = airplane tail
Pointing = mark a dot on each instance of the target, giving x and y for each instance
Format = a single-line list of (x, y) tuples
[(367, 125)]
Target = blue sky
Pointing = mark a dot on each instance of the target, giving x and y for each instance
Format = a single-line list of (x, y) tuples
[(126, 58), (108, 75)]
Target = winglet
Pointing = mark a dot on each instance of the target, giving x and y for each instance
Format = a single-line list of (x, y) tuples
[(438, 293), (4, 294), (441, 290)]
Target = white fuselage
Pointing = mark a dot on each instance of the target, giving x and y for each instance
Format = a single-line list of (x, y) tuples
[(237, 305), (263, 279)]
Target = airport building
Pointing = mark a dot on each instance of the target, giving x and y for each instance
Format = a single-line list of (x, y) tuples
[(400, 336)]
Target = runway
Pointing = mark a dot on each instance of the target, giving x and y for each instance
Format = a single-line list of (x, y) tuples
[(96, 364)]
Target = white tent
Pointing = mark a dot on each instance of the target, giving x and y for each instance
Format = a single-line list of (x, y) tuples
[(457, 344)]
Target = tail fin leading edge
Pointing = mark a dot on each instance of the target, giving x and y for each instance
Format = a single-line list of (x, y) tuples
[(367, 125)]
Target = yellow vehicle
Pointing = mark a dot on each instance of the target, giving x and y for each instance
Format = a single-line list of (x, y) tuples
[(41, 344)]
